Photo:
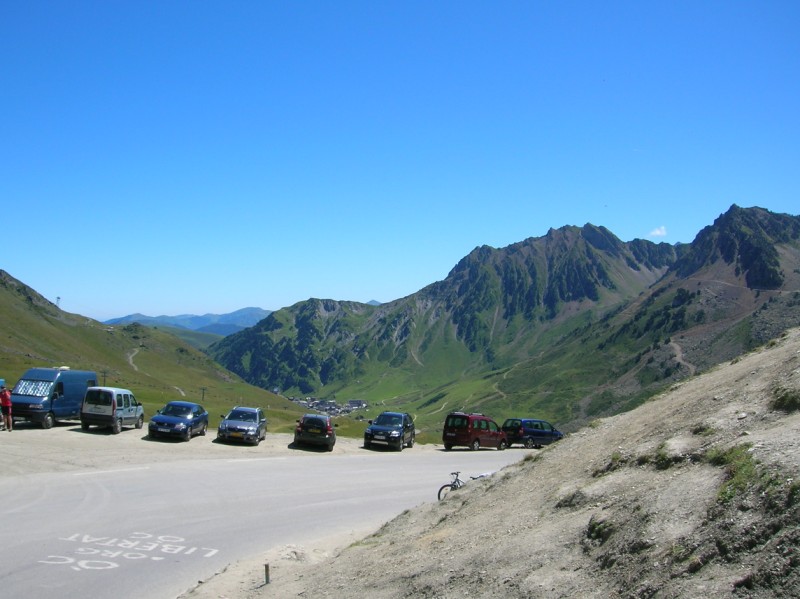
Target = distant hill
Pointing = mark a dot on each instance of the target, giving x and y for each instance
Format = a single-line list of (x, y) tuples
[(568, 326), (215, 324), (198, 331)]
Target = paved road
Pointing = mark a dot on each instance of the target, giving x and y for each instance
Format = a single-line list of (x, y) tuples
[(152, 531)]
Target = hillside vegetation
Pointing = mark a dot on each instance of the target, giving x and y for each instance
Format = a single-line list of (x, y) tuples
[(155, 365), (568, 327)]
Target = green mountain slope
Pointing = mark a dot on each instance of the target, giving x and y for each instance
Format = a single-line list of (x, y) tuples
[(156, 365), (567, 326)]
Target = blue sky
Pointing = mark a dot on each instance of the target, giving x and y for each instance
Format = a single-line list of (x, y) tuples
[(200, 157)]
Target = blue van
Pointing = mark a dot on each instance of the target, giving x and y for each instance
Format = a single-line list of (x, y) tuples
[(44, 395)]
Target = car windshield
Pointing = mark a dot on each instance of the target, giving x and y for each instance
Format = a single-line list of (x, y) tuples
[(242, 415), (174, 410), (34, 388), (389, 420)]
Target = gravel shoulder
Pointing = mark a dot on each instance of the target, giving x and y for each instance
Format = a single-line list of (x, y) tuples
[(66, 447)]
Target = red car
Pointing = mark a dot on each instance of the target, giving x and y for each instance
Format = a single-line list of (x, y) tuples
[(473, 431)]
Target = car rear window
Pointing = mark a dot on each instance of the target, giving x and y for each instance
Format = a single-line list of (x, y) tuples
[(95, 397), (456, 422), (314, 422)]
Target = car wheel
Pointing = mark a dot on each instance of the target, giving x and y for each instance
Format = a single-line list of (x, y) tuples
[(366, 444), (502, 445), (204, 429), (447, 447), (84, 426), (529, 444), (330, 447), (187, 436), (476, 445), (400, 445), (140, 422), (116, 427), (411, 442), (49, 420)]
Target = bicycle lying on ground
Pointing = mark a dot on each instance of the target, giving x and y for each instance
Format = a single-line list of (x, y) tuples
[(456, 483)]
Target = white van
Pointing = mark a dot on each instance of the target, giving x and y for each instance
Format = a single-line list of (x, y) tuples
[(112, 407)]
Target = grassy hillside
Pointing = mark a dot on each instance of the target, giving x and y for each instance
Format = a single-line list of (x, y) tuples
[(154, 364), (198, 339)]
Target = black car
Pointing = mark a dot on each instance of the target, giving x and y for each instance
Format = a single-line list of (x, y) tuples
[(393, 429), (182, 419), (248, 425), (531, 432), (315, 429)]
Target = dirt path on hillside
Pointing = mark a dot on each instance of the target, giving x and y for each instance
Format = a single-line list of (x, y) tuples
[(680, 359), (130, 356)]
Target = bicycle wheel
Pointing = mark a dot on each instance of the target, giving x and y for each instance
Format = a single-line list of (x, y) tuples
[(444, 491)]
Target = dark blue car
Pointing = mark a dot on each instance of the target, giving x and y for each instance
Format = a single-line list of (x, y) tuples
[(182, 419), (530, 432), (392, 429)]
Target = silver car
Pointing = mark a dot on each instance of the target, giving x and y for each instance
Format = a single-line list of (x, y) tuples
[(248, 425)]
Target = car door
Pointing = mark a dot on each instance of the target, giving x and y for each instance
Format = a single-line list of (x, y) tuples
[(533, 431), (408, 429), (262, 423), (123, 406), (194, 422), (484, 433), (548, 433), (493, 434), (133, 413)]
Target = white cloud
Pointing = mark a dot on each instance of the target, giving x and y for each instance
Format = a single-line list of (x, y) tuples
[(659, 232)]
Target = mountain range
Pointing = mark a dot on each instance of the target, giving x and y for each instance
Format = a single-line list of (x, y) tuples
[(568, 326), (215, 324)]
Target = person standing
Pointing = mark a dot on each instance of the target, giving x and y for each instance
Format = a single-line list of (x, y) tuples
[(5, 406)]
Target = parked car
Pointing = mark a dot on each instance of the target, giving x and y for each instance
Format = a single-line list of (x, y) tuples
[(182, 419), (531, 432), (111, 407), (243, 424), (315, 429), (394, 429), (47, 395), (473, 431)]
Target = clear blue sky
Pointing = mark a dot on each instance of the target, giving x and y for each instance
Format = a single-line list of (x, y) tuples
[(172, 157)]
